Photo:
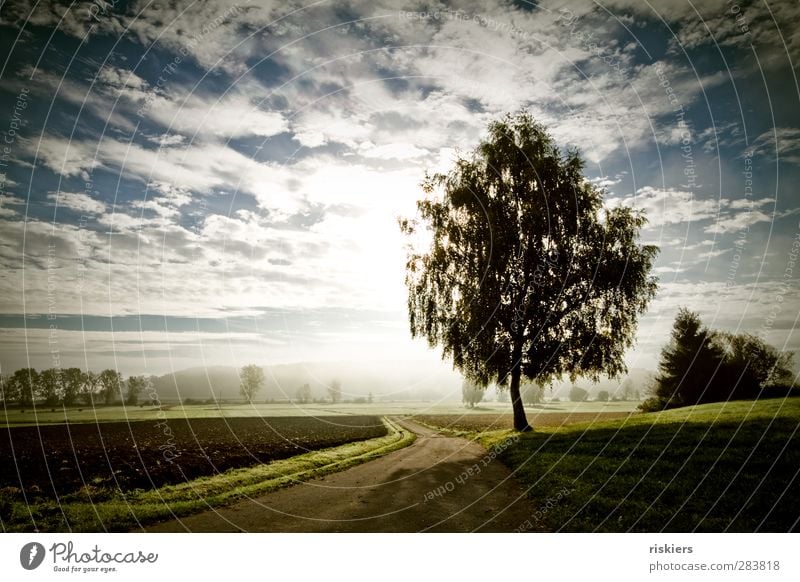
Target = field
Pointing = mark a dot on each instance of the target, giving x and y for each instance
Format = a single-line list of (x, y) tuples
[(96, 462), (78, 414), (709, 468)]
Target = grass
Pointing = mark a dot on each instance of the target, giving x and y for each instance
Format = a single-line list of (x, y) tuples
[(13, 416), (96, 510), (709, 468)]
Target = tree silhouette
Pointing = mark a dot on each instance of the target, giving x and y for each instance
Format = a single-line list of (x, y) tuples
[(522, 276), (701, 365), (304, 394), (471, 393), (252, 380), (335, 391), (111, 385)]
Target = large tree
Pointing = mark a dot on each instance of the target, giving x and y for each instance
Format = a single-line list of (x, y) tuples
[(111, 383), (526, 274)]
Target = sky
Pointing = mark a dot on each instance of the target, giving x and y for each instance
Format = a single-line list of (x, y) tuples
[(219, 183)]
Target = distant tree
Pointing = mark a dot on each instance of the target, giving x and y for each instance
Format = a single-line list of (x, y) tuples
[(304, 394), (603, 396), (110, 382), (627, 389), (370, 399), (23, 385), (471, 393), (90, 387), (502, 395), (136, 385), (335, 391), (532, 393), (251, 381), (73, 381), (49, 386), (577, 394), (527, 275)]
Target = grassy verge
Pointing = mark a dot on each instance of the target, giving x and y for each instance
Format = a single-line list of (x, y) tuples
[(95, 510), (710, 468)]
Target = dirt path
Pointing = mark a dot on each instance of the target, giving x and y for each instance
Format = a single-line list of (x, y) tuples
[(393, 493)]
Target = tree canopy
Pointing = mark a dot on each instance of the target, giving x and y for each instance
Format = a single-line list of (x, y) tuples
[(701, 365), (526, 273)]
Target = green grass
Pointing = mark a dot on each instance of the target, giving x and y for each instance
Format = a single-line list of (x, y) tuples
[(96, 510), (709, 468), (83, 414)]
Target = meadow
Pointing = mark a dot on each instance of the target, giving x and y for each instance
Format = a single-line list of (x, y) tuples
[(708, 468)]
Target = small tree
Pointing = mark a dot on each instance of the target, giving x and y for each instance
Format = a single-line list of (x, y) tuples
[(603, 396), (627, 389), (136, 385), (251, 381), (526, 274), (471, 393), (23, 385), (532, 393), (335, 391), (577, 394), (73, 381), (751, 365), (370, 398), (304, 394), (110, 382), (90, 387), (49, 386)]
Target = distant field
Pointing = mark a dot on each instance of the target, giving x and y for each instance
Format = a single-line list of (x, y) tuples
[(711, 468), (45, 415)]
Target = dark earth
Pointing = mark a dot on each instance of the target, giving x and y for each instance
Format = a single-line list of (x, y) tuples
[(52, 460)]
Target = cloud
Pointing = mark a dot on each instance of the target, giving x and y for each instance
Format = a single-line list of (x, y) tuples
[(78, 202)]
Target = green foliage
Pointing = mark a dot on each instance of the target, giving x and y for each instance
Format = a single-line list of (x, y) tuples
[(471, 393), (523, 277), (252, 381), (49, 386), (110, 382), (72, 382), (136, 385), (701, 365)]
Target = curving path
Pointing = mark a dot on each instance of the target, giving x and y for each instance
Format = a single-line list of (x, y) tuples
[(394, 493)]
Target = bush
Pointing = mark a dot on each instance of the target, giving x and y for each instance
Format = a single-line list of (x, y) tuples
[(602, 396)]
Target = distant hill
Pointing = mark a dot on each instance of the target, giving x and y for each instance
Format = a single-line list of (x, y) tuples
[(385, 380)]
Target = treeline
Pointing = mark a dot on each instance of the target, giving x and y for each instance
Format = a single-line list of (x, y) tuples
[(71, 386), (701, 365)]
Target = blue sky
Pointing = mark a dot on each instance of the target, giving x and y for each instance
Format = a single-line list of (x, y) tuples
[(219, 182)]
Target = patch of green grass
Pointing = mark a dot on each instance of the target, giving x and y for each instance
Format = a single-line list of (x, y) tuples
[(709, 468), (95, 510)]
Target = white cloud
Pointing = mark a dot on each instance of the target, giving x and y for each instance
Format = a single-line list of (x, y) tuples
[(77, 201)]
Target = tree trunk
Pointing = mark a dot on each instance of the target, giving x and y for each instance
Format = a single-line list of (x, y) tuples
[(520, 420)]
